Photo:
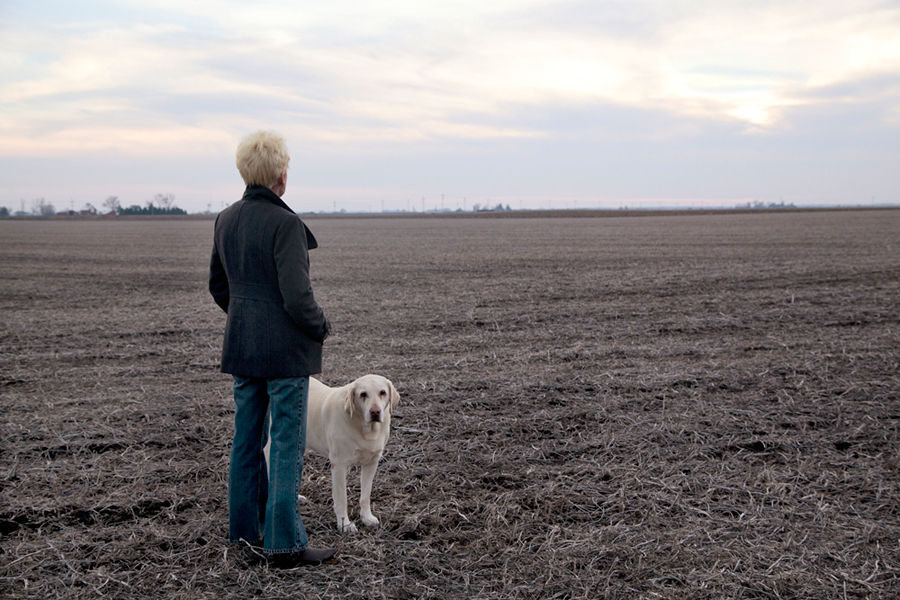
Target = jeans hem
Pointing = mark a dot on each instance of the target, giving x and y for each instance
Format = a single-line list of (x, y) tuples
[(284, 551)]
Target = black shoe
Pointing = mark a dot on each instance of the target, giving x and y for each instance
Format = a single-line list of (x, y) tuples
[(308, 557)]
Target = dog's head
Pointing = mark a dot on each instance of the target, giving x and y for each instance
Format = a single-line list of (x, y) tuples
[(373, 396)]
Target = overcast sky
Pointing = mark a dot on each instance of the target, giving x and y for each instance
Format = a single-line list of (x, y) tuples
[(395, 105)]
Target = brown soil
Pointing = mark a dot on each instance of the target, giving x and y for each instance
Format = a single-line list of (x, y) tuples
[(680, 406)]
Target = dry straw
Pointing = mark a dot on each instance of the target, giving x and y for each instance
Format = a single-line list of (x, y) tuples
[(680, 407)]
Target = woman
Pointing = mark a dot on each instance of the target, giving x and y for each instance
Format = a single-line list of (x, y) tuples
[(259, 275)]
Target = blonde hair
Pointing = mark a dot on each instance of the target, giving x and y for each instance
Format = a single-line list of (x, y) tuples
[(262, 157)]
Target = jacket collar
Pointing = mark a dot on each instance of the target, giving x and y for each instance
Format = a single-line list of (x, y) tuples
[(261, 192)]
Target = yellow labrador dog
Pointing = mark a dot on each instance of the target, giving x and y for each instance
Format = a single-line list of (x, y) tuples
[(350, 425)]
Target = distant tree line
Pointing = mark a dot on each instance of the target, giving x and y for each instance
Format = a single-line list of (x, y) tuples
[(39, 208), (160, 204), (486, 208), (150, 209), (758, 204)]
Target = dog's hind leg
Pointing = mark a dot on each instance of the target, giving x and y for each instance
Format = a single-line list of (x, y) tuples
[(339, 497), (366, 477)]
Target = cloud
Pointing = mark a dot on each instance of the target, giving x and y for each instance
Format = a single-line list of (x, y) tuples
[(360, 71), (394, 95)]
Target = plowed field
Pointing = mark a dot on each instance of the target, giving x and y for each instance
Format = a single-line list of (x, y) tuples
[(594, 405)]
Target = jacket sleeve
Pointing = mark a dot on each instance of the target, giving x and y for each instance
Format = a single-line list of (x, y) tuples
[(218, 282), (291, 255)]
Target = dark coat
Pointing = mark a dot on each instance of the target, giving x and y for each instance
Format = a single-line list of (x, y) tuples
[(259, 275)]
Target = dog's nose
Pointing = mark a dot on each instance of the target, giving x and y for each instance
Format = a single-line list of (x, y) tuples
[(375, 415)]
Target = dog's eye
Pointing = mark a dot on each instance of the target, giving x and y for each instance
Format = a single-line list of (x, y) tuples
[(382, 393), (364, 395)]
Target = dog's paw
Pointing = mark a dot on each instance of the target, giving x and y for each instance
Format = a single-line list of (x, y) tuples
[(346, 526), (369, 520)]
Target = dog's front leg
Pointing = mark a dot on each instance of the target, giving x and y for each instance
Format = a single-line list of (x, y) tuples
[(339, 497), (366, 477)]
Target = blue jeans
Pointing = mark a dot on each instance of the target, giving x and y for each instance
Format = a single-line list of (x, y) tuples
[(262, 506)]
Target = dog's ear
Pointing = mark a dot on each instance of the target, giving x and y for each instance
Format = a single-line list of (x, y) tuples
[(395, 396), (349, 404)]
